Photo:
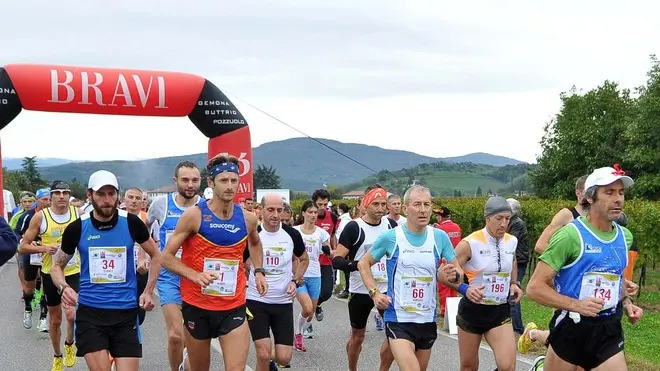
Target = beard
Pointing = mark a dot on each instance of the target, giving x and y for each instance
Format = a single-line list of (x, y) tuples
[(105, 211), (187, 194)]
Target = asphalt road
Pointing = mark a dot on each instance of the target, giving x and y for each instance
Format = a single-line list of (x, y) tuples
[(29, 350)]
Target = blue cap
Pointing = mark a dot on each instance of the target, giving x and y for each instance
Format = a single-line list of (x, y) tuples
[(43, 192)]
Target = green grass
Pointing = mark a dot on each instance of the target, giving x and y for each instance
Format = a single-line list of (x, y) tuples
[(642, 345)]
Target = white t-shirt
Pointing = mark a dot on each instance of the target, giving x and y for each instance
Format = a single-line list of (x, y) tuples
[(313, 244), (401, 221), (278, 251)]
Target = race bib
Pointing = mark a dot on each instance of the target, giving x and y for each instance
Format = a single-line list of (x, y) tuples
[(136, 254), (601, 285), (496, 288), (36, 259), (416, 293), (379, 271), (107, 264), (226, 273), (273, 258), (167, 239)]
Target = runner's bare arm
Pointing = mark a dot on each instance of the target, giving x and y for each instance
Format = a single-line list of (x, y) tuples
[(150, 247), (364, 267), (187, 225), (463, 255), (560, 219), (60, 260), (541, 289), (30, 235), (300, 256), (333, 241), (254, 242), (301, 267)]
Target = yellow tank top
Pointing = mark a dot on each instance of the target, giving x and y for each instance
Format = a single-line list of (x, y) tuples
[(53, 236)]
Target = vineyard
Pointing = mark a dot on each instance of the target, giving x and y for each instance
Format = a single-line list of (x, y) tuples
[(643, 219)]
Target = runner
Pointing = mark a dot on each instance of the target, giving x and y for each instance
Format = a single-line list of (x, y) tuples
[(49, 224), (355, 240), (317, 242), (394, 209), (328, 221), (8, 242), (287, 214), (274, 311), (213, 237), (414, 252), (454, 232), (27, 201), (581, 274), (133, 203), (31, 267), (488, 259), (108, 301), (563, 217), (167, 210)]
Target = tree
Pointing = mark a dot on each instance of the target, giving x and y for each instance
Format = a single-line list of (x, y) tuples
[(14, 181), (587, 133), (78, 190), (203, 184), (266, 178), (479, 191), (34, 179), (643, 136)]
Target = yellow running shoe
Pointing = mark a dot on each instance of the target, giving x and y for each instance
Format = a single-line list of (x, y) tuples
[(57, 364), (69, 355), (250, 317), (525, 342)]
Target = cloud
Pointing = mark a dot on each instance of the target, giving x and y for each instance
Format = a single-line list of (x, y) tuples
[(485, 75)]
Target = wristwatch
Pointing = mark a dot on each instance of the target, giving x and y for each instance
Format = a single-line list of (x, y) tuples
[(298, 283), (259, 270), (60, 289), (517, 283)]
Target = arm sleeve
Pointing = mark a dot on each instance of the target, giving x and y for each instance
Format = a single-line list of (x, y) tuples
[(138, 229), (349, 235), (563, 249), (71, 237), (298, 243), (157, 209), (8, 242), (446, 248), (384, 245)]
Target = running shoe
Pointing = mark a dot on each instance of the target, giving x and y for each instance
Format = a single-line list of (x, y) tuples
[(43, 325), (69, 355), (298, 343), (525, 342), (272, 366), (27, 320), (319, 313), (309, 332), (58, 364), (538, 364)]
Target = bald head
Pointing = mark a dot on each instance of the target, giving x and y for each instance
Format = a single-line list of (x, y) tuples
[(273, 206), (272, 200)]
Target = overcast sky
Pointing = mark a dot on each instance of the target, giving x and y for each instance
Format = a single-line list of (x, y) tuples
[(434, 77)]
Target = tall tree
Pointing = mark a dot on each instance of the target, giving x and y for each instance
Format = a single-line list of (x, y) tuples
[(203, 184), (479, 192), (266, 178), (643, 135), (587, 133), (32, 174)]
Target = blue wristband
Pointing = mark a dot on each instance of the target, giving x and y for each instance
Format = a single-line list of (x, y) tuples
[(462, 288)]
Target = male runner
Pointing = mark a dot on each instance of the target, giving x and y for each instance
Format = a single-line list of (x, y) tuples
[(580, 273), (394, 209), (213, 236), (8, 242), (49, 224), (107, 303), (328, 221), (167, 210), (27, 200), (355, 240), (32, 264), (414, 252), (274, 311), (563, 217), (133, 203), (454, 232)]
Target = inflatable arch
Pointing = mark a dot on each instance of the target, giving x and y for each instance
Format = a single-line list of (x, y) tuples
[(51, 88)]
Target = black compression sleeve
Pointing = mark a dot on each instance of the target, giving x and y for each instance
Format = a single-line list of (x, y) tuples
[(71, 237), (138, 229)]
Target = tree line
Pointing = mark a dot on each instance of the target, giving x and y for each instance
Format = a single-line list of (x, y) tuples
[(602, 127)]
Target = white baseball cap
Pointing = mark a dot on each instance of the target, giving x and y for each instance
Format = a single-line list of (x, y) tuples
[(102, 178), (607, 175), (208, 193)]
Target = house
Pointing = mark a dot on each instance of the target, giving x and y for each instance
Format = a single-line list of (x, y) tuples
[(353, 195), (160, 191)]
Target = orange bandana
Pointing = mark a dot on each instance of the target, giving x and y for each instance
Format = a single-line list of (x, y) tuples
[(372, 195)]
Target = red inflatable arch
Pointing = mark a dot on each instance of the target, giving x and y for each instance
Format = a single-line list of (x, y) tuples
[(107, 91)]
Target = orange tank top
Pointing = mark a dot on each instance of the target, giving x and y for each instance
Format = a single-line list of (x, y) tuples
[(218, 249)]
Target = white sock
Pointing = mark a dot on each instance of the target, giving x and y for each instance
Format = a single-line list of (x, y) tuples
[(301, 325)]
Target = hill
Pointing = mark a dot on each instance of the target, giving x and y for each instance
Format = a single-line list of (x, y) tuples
[(12, 163), (301, 163), (448, 180)]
